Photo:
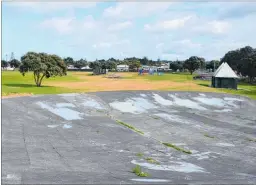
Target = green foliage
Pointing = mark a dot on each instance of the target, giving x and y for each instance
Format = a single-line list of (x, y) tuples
[(80, 63), (206, 135), (134, 65), (69, 61), (15, 63), (4, 63), (138, 172), (140, 154), (42, 65), (210, 65), (129, 126), (243, 61), (151, 160), (177, 148), (193, 63)]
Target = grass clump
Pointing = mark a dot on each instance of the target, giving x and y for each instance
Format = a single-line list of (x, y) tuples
[(140, 154), (129, 126), (151, 160), (206, 135), (251, 139), (138, 172), (177, 148)]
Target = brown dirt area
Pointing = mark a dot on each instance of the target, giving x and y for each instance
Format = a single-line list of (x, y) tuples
[(98, 83), (13, 95)]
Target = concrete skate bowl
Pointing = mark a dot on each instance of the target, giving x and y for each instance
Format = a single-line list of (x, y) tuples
[(174, 137)]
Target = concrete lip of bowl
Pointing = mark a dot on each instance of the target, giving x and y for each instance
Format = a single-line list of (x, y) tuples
[(75, 138)]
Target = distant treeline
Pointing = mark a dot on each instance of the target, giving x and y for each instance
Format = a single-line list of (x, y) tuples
[(242, 60)]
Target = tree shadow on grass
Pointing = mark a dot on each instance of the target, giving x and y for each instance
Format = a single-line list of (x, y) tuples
[(24, 85), (206, 85)]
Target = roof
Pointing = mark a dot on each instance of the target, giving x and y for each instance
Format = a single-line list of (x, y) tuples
[(122, 66), (225, 71)]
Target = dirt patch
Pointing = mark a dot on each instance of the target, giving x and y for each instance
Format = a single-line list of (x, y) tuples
[(98, 83), (12, 95)]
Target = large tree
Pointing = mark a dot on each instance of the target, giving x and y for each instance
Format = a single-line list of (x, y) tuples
[(193, 63), (69, 61), (80, 63), (15, 63), (42, 65), (4, 63), (242, 60), (213, 64), (134, 65)]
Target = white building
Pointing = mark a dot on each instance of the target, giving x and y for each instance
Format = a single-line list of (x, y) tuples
[(122, 68)]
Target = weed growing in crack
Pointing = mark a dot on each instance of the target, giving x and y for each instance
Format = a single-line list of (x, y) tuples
[(177, 148), (138, 172)]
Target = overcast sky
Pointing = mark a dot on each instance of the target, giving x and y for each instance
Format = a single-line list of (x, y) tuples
[(165, 30)]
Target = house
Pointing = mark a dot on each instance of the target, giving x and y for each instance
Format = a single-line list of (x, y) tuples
[(86, 67), (122, 68), (224, 77)]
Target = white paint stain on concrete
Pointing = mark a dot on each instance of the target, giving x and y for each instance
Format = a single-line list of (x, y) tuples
[(174, 118), (67, 126), (133, 105), (204, 155), (186, 103), (52, 126), (232, 99), (143, 95), (93, 104), (12, 176), (150, 180), (177, 166), (217, 102), (65, 113), (223, 110), (159, 99), (225, 144), (61, 105)]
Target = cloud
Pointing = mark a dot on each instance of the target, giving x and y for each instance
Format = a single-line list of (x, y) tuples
[(111, 44), (215, 27), (42, 7), (120, 26), (129, 10), (167, 24), (61, 25)]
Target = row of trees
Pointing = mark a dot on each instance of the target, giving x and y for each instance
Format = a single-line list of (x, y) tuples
[(13, 63), (46, 65)]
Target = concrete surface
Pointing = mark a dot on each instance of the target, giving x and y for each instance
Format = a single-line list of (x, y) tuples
[(74, 138)]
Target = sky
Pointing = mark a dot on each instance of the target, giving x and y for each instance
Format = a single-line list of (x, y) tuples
[(101, 30)]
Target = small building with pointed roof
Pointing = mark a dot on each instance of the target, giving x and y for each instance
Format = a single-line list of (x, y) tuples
[(224, 77)]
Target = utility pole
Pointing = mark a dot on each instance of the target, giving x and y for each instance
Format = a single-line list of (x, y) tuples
[(214, 66)]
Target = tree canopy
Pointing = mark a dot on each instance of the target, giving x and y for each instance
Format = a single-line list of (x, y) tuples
[(193, 63), (15, 63), (242, 60), (42, 65)]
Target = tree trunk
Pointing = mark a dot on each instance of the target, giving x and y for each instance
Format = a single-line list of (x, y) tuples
[(191, 72), (40, 81)]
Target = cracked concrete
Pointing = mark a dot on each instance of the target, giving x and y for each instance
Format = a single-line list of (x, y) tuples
[(74, 138)]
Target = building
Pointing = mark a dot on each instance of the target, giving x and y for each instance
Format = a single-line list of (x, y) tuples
[(122, 68), (224, 77)]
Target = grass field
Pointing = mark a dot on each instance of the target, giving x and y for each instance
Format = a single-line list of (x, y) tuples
[(14, 84)]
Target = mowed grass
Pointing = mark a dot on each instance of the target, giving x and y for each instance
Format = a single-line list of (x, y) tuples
[(14, 83)]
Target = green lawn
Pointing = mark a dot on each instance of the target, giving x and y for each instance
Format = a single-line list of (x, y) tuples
[(14, 82)]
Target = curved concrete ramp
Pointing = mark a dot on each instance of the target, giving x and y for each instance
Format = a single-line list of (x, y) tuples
[(100, 137)]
